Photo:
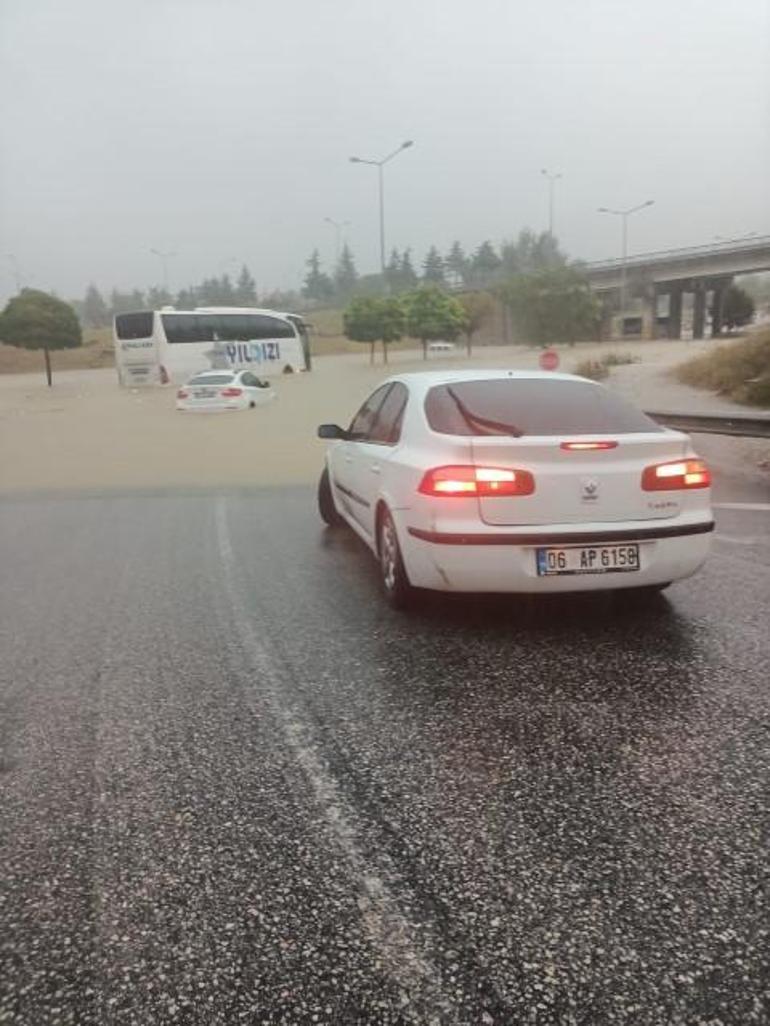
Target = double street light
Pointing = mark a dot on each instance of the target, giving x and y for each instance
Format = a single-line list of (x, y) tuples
[(380, 164), (624, 216)]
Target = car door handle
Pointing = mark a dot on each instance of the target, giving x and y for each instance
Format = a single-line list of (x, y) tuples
[(375, 468), (348, 459)]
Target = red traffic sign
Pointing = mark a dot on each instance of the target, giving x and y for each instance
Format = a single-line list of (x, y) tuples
[(549, 359)]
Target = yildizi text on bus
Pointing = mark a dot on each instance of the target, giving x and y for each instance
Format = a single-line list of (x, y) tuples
[(158, 347)]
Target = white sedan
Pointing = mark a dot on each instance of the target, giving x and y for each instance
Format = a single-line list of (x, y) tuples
[(223, 390), (515, 481)]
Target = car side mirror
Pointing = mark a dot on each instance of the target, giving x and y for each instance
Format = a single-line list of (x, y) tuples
[(332, 431)]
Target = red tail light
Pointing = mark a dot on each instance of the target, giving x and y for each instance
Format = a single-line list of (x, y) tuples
[(164, 378), (479, 481), (182, 394), (231, 393), (583, 446), (665, 477)]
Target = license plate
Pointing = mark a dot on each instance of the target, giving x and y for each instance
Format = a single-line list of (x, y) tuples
[(205, 393), (588, 559)]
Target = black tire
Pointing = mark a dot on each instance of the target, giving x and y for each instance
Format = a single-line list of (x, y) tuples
[(326, 506), (395, 583)]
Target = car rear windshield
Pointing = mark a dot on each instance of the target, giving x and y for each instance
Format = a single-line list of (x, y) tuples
[(212, 379), (531, 406), (134, 325)]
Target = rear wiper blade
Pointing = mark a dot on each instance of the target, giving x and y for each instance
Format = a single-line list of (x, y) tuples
[(471, 419)]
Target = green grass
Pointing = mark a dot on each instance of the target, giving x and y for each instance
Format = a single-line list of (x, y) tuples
[(740, 371)]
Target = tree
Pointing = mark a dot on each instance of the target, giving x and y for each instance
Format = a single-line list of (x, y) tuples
[(393, 271), (432, 315), (187, 299), (408, 275), (245, 288), (531, 253), (737, 307), (456, 264), (94, 310), (554, 305), (345, 274), (485, 264), (157, 297), (373, 319), (36, 320), (126, 302), (317, 285), (478, 307), (433, 268)]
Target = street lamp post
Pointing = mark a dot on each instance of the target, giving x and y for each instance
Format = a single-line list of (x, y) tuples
[(552, 179), (624, 216), (164, 258), (380, 164), (339, 228)]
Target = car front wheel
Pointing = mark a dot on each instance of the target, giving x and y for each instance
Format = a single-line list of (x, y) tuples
[(398, 590), (326, 505)]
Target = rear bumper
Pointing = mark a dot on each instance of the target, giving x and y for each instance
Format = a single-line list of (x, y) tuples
[(495, 561), (185, 407), (537, 539)]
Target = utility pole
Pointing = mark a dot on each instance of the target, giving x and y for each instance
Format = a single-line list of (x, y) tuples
[(339, 229), (552, 179), (164, 258)]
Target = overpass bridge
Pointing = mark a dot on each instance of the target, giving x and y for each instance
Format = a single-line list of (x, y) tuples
[(703, 271)]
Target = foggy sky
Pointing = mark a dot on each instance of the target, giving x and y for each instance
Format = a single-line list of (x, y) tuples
[(222, 130)]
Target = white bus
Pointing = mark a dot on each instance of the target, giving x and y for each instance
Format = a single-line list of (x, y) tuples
[(156, 347)]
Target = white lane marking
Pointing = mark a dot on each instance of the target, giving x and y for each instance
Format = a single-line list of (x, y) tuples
[(391, 931), (753, 507)]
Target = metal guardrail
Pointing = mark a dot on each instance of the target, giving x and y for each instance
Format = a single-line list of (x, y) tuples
[(697, 423)]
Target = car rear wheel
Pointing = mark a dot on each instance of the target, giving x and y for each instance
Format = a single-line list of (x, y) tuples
[(326, 505), (398, 590)]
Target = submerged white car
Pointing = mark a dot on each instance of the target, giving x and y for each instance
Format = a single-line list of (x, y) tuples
[(223, 390), (515, 481)]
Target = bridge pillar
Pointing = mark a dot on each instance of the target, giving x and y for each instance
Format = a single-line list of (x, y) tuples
[(675, 312), (717, 306), (650, 313), (699, 310)]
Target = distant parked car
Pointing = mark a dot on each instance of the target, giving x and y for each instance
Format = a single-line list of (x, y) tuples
[(223, 390), (512, 481), (440, 347)]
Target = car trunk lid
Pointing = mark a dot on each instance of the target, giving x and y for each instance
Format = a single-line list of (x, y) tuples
[(574, 485)]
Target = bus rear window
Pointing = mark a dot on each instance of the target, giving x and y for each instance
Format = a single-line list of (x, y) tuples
[(134, 325), (531, 406)]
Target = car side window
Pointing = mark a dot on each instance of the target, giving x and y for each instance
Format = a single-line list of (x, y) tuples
[(363, 422), (387, 426), (249, 379)]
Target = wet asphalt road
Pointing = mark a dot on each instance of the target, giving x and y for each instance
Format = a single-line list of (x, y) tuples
[(236, 788)]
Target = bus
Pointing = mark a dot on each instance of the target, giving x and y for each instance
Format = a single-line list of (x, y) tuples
[(159, 347)]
